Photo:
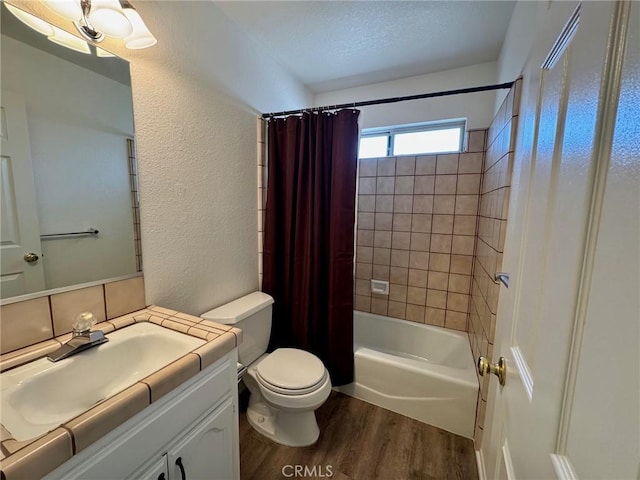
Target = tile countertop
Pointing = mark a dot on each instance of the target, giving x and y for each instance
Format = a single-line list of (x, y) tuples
[(36, 457)]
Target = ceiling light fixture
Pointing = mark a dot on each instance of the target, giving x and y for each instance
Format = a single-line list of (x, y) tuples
[(95, 19)]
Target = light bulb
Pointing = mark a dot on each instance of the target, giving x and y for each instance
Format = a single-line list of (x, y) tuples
[(107, 17), (31, 20), (70, 41), (70, 9), (141, 36)]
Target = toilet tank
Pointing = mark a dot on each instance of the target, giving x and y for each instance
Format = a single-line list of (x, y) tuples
[(251, 314)]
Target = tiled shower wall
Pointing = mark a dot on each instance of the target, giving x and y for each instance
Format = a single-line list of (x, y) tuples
[(492, 223), (416, 228)]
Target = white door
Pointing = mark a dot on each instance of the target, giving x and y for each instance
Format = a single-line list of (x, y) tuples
[(568, 325), (19, 231), (206, 452)]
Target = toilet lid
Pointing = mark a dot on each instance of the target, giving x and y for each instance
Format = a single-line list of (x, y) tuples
[(291, 369)]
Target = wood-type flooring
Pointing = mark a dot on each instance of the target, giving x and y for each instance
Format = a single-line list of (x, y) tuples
[(359, 441)]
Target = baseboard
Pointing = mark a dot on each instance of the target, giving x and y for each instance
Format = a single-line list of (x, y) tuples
[(482, 473)]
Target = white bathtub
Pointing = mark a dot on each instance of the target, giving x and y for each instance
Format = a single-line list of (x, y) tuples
[(420, 371)]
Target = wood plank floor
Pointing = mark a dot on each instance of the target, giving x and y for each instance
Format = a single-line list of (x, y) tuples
[(361, 442)]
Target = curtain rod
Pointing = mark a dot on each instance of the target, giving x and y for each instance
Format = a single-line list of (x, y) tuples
[(391, 100)]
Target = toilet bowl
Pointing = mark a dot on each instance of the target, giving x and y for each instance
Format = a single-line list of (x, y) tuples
[(286, 386)]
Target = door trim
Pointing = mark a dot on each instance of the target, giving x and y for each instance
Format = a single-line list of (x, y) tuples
[(563, 467)]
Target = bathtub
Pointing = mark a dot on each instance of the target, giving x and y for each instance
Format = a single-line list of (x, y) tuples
[(420, 371)]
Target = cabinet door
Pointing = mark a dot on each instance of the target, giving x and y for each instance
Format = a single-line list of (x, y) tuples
[(157, 470), (206, 452)]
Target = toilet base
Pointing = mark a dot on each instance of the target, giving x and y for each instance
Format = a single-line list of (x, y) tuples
[(298, 429)]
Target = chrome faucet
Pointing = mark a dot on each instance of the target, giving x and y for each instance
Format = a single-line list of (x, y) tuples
[(82, 338)]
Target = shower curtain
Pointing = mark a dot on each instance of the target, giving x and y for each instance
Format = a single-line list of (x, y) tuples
[(309, 235)]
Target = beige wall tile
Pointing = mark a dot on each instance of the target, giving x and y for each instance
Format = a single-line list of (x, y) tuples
[(444, 204), (165, 380), (418, 278), (366, 221), (385, 185), (384, 203), (462, 245), (366, 203), (439, 262), (438, 280), (24, 323), (445, 184), (468, 184), (386, 167), (382, 239), (402, 222), (365, 238), (363, 270), (398, 275), (383, 221), (447, 163), (416, 295), (421, 223), (434, 316), (442, 224), (397, 293), (415, 313), (403, 203), (65, 307), (362, 303), (401, 240), (456, 320), (424, 185), (461, 264), (470, 162), (419, 260), (426, 165), (464, 225), (405, 165), (397, 309), (367, 186), (400, 258), (39, 458), (404, 185), (364, 254), (476, 141), (459, 283), (441, 243), (379, 306), (363, 287), (380, 272), (104, 417), (423, 204), (367, 167), (420, 242), (381, 256), (124, 296), (436, 299), (466, 205), (458, 302)]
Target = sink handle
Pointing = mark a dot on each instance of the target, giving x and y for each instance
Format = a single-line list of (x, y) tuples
[(84, 322), (181, 467)]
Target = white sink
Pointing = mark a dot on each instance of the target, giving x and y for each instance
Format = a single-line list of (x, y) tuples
[(37, 397)]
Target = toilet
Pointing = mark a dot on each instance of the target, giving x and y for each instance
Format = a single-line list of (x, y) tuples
[(286, 386)]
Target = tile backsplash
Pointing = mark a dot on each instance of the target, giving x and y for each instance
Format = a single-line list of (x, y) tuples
[(416, 229), (35, 320)]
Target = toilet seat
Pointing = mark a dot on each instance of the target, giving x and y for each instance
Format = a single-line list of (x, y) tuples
[(289, 371)]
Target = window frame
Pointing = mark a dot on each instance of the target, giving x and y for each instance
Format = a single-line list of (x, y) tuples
[(391, 132)]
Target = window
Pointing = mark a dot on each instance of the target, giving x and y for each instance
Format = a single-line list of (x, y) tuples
[(412, 140)]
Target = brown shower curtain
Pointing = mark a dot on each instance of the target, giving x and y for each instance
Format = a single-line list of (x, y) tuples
[(308, 235)]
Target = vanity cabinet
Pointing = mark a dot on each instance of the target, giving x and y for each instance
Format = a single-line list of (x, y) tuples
[(189, 434)]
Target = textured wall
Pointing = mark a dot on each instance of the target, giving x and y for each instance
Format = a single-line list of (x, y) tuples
[(492, 226)]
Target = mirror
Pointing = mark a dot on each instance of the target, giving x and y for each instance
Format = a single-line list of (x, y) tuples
[(68, 186)]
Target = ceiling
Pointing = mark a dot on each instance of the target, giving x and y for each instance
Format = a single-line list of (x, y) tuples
[(332, 45)]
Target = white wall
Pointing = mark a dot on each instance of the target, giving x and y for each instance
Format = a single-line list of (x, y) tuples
[(78, 125), (196, 97), (476, 107), (516, 46)]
